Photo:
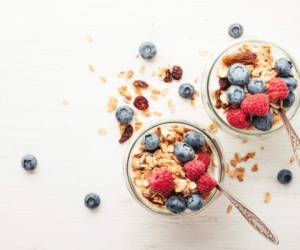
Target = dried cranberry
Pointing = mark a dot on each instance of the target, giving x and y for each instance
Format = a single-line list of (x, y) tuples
[(224, 83), (140, 84), (141, 103), (168, 77), (177, 72), (127, 133)]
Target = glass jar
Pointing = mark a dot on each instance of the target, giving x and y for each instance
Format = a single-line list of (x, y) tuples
[(210, 84), (218, 168)]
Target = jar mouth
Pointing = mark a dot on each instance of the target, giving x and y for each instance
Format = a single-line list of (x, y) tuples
[(137, 196), (215, 115)]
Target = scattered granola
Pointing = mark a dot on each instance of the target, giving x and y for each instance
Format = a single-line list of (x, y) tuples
[(124, 91), (91, 68), (213, 128), (267, 197), (112, 104), (229, 209), (102, 79), (254, 168), (171, 106), (102, 131)]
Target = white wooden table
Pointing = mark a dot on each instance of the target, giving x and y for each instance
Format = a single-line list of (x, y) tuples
[(52, 106)]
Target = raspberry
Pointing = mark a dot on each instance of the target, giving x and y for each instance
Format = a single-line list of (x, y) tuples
[(194, 169), (162, 182), (237, 118), (205, 158), (141, 103), (277, 90), (176, 72), (257, 104), (205, 184)]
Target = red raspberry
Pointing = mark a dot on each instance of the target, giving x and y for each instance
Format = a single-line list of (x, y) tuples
[(277, 90), (205, 158), (205, 184), (257, 104), (237, 118), (194, 169), (176, 72), (162, 182)]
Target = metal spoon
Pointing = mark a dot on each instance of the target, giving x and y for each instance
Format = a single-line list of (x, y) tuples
[(252, 219)]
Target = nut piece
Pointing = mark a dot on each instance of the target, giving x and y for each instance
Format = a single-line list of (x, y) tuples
[(267, 197), (112, 104), (123, 91)]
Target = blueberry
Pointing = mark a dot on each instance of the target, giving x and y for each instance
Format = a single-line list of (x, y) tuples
[(176, 204), (194, 139), (283, 67), (263, 123), (147, 50), (195, 202), (29, 162), (238, 74), (289, 101), (92, 200), (256, 85), (291, 82), (124, 114), (186, 90), (151, 142), (235, 95), (184, 152), (235, 30), (284, 176)]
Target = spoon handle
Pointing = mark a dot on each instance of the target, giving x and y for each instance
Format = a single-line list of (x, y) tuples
[(294, 138), (252, 219)]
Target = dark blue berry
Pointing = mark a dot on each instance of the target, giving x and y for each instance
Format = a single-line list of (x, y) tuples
[(176, 204), (184, 152), (147, 50), (235, 95), (289, 101), (256, 85), (124, 114), (238, 74), (284, 176), (291, 82), (194, 139), (283, 67), (235, 30), (29, 162), (151, 142), (186, 90), (195, 202), (92, 200), (263, 123)]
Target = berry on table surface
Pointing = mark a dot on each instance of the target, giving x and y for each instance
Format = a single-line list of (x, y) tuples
[(124, 114), (237, 118), (235, 95), (147, 50), (283, 67), (284, 176), (186, 90), (194, 169), (289, 101), (195, 202), (176, 204), (256, 104), (141, 103), (92, 200), (162, 182), (291, 82), (205, 158), (256, 85), (235, 30), (29, 162), (176, 72), (206, 183), (151, 142), (263, 123), (194, 139), (278, 89), (238, 74), (184, 152)]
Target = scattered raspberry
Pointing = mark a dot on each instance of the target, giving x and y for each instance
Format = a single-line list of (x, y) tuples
[(168, 76), (205, 158), (205, 184), (141, 103), (194, 169), (257, 104), (140, 84), (162, 182), (127, 133), (277, 90), (177, 72), (237, 118), (224, 83)]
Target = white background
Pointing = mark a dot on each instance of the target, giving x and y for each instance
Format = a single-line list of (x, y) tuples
[(44, 57)]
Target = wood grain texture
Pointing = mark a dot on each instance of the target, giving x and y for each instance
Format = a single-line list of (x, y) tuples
[(52, 106)]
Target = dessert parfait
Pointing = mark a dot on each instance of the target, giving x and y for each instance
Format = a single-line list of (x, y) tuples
[(173, 168)]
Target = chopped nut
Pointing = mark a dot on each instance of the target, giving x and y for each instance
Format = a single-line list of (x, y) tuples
[(213, 128), (142, 69), (180, 185), (102, 131), (129, 74), (123, 91), (229, 209), (112, 104), (267, 197), (137, 125), (254, 168)]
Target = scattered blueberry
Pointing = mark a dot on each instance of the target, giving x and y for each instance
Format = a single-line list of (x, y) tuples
[(151, 142), (29, 162), (256, 85), (92, 200), (147, 50), (289, 101), (195, 202), (235, 95), (235, 30), (291, 82), (238, 74), (283, 67), (263, 123), (176, 204), (124, 114), (186, 90), (194, 139), (284, 176), (184, 152)]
